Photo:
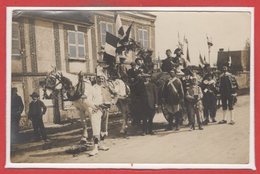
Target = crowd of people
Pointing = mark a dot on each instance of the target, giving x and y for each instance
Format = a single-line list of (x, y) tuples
[(182, 92)]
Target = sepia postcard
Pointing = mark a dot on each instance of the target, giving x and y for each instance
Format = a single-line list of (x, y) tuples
[(130, 87)]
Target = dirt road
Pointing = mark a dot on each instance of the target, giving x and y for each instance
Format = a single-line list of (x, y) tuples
[(215, 144)]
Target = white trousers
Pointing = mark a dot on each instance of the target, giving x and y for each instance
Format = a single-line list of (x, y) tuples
[(95, 118)]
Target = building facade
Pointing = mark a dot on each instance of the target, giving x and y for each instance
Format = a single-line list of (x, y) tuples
[(68, 41)]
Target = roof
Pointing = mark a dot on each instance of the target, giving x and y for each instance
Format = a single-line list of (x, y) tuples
[(73, 16)]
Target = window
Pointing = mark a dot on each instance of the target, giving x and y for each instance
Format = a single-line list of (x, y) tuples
[(143, 37), (105, 27), (15, 39), (76, 45)]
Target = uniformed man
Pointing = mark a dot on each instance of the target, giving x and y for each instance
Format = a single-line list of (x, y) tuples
[(173, 97), (179, 62), (167, 64), (227, 88)]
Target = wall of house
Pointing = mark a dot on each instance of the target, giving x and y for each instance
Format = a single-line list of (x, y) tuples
[(44, 45)]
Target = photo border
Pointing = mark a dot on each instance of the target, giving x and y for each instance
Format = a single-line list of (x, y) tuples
[(251, 164)]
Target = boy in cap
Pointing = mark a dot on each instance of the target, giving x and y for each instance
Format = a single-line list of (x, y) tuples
[(194, 104), (36, 110)]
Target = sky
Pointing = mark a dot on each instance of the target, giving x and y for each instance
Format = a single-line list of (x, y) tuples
[(228, 30)]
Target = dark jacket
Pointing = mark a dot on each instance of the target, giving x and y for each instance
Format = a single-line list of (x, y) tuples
[(167, 64), (36, 109), (16, 105), (227, 85), (122, 72), (151, 95)]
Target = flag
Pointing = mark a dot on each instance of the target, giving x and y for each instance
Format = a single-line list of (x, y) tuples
[(119, 27), (188, 54), (126, 36), (229, 61), (180, 45), (185, 40), (110, 48), (210, 44), (201, 60)]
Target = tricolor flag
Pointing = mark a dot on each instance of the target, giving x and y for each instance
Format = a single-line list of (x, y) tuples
[(110, 48), (119, 27)]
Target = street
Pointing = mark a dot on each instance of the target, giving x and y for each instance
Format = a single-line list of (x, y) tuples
[(222, 144)]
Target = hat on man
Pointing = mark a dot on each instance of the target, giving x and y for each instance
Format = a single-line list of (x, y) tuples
[(34, 94), (178, 50), (168, 50)]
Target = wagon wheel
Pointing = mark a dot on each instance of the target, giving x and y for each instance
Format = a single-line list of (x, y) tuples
[(166, 114)]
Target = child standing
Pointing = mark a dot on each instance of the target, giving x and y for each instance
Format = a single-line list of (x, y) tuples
[(194, 104)]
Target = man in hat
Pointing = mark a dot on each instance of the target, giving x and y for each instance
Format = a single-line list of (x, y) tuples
[(148, 60), (132, 72), (122, 70), (227, 88), (36, 110), (16, 111), (167, 64), (179, 62), (173, 97)]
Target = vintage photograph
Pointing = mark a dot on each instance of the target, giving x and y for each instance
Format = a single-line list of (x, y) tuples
[(117, 86)]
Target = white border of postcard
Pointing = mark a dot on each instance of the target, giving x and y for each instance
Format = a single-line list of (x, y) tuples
[(250, 165)]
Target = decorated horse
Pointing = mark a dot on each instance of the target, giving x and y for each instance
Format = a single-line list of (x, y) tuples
[(88, 99)]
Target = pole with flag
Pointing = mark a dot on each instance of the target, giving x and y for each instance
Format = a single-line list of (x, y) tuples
[(119, 27), (187, 54), (210, 44), (201, 60), (229, 60), (180, 45)]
